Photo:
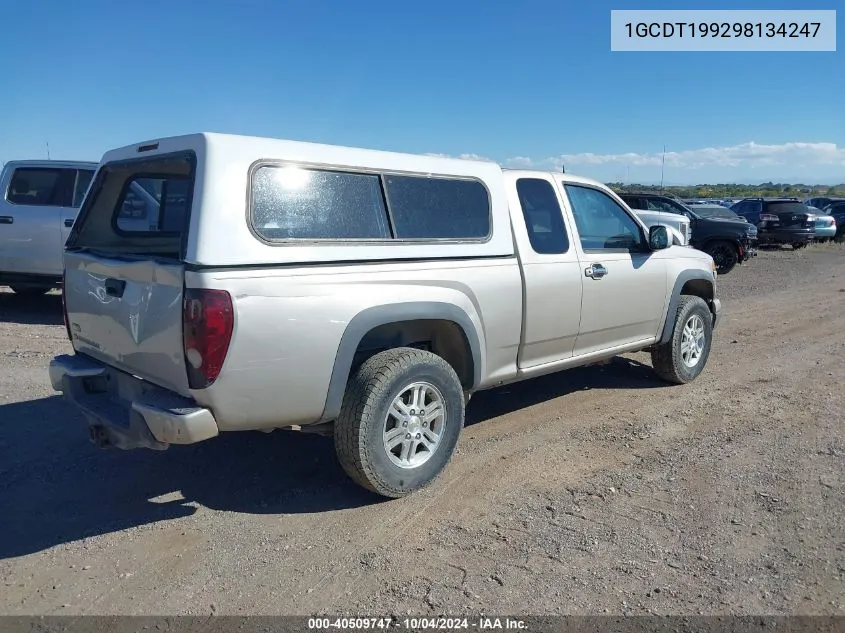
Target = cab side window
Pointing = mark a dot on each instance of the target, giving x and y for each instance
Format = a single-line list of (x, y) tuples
[(749, 209), (603, 224), (543, 217), (41, 187)]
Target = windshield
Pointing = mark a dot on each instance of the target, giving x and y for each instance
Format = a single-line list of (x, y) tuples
[(668, 205)]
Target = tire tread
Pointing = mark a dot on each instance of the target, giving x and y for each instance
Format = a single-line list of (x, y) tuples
[(360, 402), (664, 360)]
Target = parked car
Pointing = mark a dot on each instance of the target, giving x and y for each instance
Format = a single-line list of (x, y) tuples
[(677, 225), (820, 202), (728, 242), (39, 204), (836, 209), (778, 220), (357, 293), (825, 225)]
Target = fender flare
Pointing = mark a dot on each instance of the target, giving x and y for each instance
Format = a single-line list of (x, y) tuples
[(683, 277), (375, 316)]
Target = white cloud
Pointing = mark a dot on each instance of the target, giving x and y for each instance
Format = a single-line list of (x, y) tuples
[(745, 162), (461, 156), (745, 155)]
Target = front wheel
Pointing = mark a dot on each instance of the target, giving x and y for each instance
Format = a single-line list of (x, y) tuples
[(683, 357), (401, 416), (724, 254)]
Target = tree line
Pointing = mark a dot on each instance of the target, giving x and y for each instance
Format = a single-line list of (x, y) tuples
[(766, 189)]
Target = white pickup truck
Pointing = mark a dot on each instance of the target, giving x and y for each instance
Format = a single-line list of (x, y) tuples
[(678, 225), (39, 205), (353, 292)]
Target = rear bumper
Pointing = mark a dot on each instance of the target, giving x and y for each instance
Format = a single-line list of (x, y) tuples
[(126, 412), (786, 237), (826, 231)]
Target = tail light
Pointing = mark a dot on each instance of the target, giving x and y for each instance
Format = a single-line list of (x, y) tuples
[(64, 305), (768, 217), (208, 319)]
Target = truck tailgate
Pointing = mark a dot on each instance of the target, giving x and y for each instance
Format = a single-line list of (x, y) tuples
[(127, 312)]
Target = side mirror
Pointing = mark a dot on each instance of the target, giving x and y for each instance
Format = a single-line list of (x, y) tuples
[(658, 238)]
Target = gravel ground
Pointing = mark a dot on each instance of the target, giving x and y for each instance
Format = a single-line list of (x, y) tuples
[(599, 490)]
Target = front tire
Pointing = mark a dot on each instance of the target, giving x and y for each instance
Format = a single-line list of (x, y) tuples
[(724, 254), (400, 420), (683, 357)]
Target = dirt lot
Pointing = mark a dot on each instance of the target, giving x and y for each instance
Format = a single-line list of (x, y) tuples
[(598, 490)]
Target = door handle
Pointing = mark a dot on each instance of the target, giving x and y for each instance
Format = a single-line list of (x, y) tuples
[(68, 223), (115, 287), (595, 271), (7, 219)]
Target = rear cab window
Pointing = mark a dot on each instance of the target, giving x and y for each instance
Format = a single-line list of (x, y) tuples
[(543, 217), (138, 207), (289, 202)]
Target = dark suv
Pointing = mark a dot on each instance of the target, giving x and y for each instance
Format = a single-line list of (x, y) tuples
[(728, 242), (779, 220)]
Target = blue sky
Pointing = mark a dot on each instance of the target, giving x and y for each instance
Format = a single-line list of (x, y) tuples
[(530, 83)]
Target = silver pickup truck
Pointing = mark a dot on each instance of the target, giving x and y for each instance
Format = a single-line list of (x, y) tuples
[(39, 205), (357, 293)]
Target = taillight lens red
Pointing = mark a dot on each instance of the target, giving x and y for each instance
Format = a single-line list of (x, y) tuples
[(64, 305), (208, 319)]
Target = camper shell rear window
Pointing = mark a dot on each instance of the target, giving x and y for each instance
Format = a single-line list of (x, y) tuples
[(290, 203), (138, 206)]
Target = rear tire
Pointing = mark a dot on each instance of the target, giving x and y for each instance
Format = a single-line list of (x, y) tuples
[(383, 437), (26, 290), (724, 254), (683, 357)]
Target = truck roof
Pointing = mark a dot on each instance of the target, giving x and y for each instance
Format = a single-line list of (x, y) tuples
[(566, 177), (51, 163), (252, 148), (257, 147)]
